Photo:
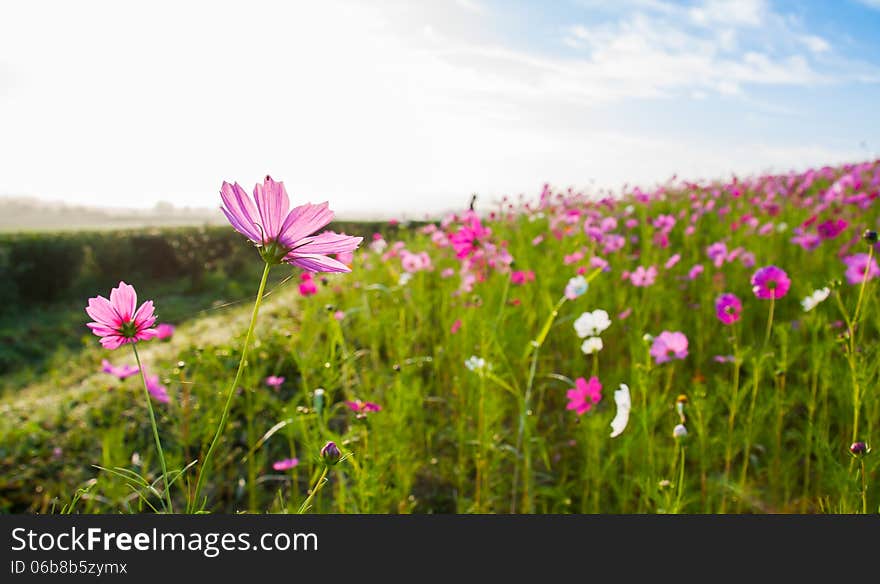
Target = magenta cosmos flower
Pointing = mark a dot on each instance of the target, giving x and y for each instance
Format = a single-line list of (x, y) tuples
[(164, 331), (284, 234), (307, 286), (156, 389), (274, 381), (117, 321), (770, 282), (668, 345), (584, 395), (285, 464), (857, 267), (728, 308), (361, 409), (120, 372)]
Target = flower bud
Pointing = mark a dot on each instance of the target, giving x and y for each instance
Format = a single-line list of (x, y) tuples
[(859, 449), (679, 432), (330, 454), (870, 236)]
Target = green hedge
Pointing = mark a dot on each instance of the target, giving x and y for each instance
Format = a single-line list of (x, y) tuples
[(41, 268)]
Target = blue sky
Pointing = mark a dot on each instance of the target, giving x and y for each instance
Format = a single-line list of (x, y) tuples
[(398, 108)]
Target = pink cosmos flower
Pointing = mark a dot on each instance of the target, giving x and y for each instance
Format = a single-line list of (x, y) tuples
[(466, 240), (612, 243), (601, 263), (520, 277), (164, 331), (447, 273), (274, 381), (284, 234), (362, 408), (770, 282), (807, 240), (717, 252), (642, 277), (728, 308), (339, 315), (625, 314), (573, 258), (415, 262), (456, 326), (120, 372), (116, 320), (307, 285), (668, 345), (695, 272), (857, 265), (672, 261), (584, 395), (285, 464), (156, 389)]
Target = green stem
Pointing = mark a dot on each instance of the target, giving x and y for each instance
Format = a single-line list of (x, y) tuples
[(854, 329), (225, 416), (155, 429), (680, 486), (749, 420), (862, 287), (864, 487), (769, 323), (321, 481), (731, 421)]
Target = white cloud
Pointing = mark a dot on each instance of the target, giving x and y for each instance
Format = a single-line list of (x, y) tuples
[(815, 43), (729, 12)]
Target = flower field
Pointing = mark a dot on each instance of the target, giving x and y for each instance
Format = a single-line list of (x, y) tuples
[(695, 348)]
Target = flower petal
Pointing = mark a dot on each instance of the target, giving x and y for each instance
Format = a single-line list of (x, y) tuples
[(240, 211), (328, 243), (316, 263), (303, 221), (272, 204), (124, 300), (102, 312)]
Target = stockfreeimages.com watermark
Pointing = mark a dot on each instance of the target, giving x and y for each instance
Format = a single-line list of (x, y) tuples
[(209, 544)]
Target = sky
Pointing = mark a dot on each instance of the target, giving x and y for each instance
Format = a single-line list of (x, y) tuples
[(401, 108)]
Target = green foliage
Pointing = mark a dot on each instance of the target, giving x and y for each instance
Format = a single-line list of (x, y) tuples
[(448, 439)]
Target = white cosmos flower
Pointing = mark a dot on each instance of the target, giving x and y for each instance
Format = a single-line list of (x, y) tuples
[(814, 299), (475, 363), (592, 345), (592, 324), (576, 286), (622, 399), (404, 279)]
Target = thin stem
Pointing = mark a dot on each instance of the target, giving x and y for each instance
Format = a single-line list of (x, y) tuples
[(854, 329), (225, 416), (749, 420), (680, 485), (769, 323), (856, 314), (155, 429), (321, 481), (731, 420), (864, 487), (534, 346)]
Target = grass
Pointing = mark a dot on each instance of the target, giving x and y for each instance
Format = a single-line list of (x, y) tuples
[(767, 432)]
